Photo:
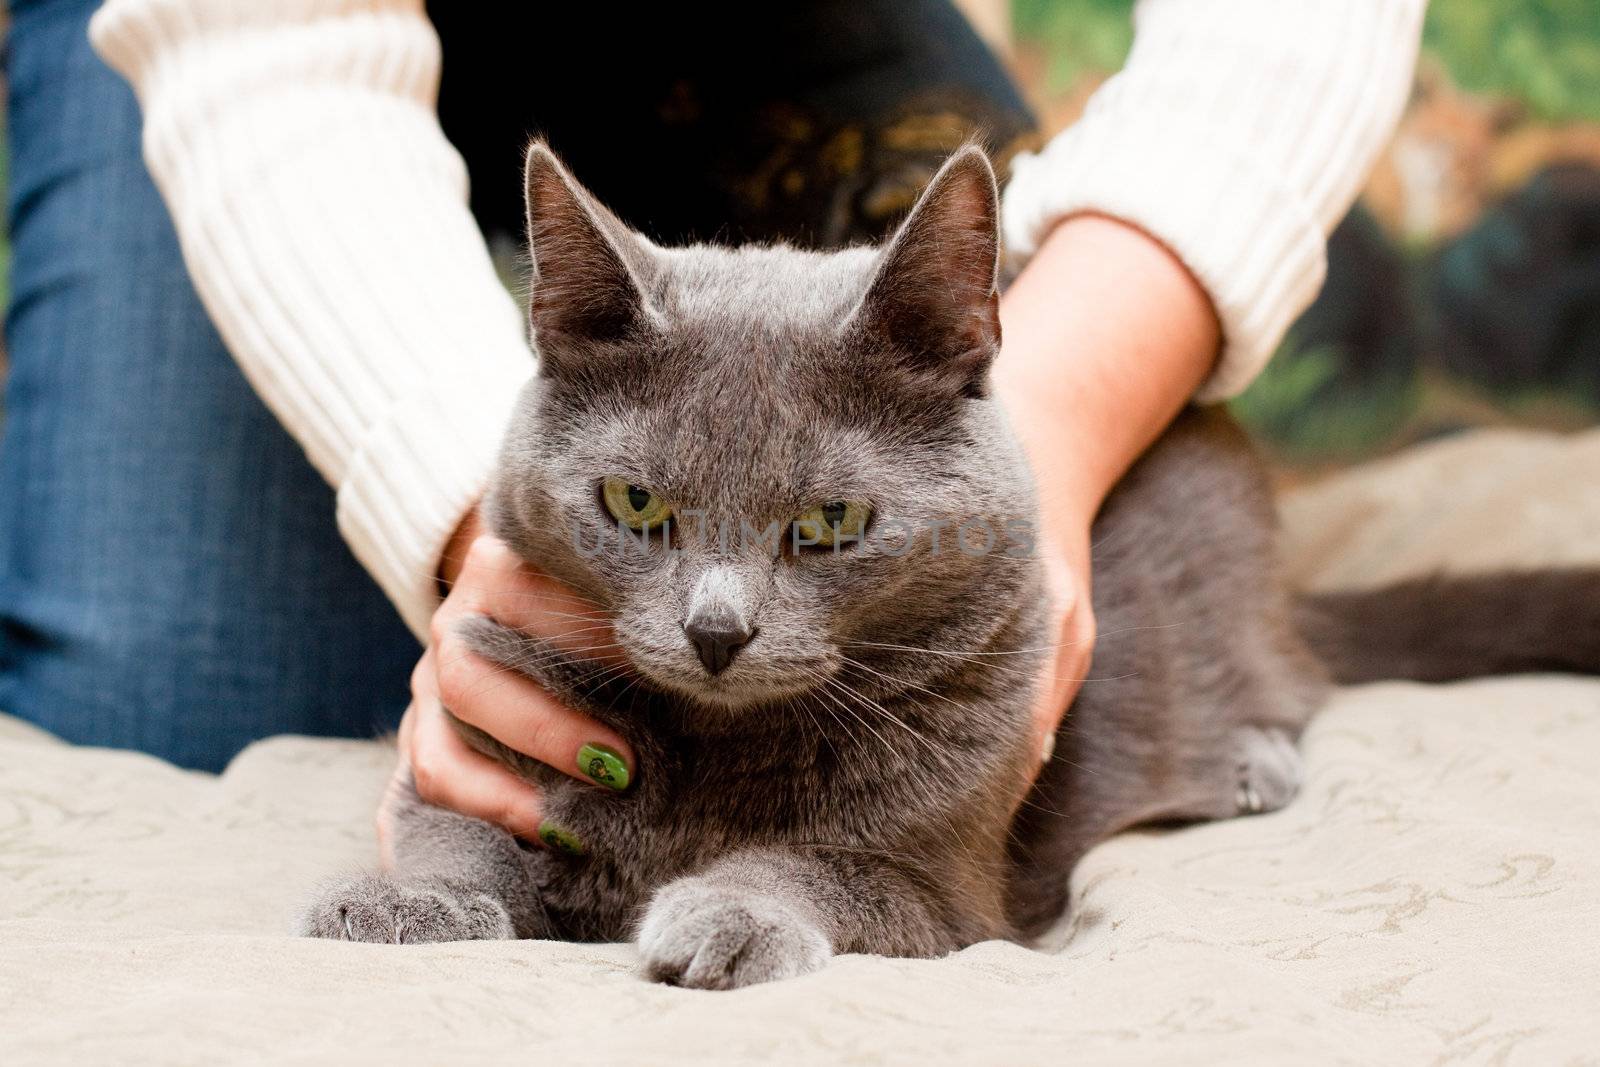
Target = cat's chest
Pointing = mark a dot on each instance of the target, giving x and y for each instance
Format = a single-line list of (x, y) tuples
[(609, 852)]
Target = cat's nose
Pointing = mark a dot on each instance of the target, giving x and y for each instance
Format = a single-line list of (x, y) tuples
[(717, 641)]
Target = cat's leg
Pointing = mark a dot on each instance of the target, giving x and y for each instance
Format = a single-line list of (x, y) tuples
[(1267, 769), (454, 879), (383, 909), (1248, 770), (765, 914), (1094, 788)]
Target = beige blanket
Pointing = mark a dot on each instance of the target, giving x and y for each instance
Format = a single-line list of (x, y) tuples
[(1432, 897)]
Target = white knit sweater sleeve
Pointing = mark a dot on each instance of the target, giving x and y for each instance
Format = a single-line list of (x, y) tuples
[(1238, 134), (323, 218)]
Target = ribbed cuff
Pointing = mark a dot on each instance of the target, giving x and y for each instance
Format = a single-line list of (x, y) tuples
[(415, 476), (1251, 242)]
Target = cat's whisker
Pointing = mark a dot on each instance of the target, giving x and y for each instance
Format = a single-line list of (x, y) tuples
[(904, 682), (946, 819), (635, 686), (1012, 652), (824, 683), (582, 616), (833, 716), (886, 713), (842, 706), (554, 640), (940, 757), (499, 591), (961, 655), (551, 642), (958, 657), (792, 704), (604, 676), (528, 665)]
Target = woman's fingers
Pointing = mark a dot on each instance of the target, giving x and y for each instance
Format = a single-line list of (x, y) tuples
[(450, 774), (514, 710), (506, 705), (1067, 580), (495, 582)]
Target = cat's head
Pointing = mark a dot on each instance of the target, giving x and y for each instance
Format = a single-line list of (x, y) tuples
[(779, 469)]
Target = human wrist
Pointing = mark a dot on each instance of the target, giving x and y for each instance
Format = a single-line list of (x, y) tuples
[(455, 549), (1107, 336)]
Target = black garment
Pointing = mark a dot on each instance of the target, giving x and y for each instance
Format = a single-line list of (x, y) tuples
[(813, 122)]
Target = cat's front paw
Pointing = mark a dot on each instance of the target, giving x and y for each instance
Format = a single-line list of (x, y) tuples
[(706, 937), (376, 909), (1268, 770)]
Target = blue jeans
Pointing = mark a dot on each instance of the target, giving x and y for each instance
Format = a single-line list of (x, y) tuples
[(171, 578)]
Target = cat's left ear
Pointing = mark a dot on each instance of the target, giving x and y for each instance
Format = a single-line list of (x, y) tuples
[(935, 299), (590, 272)]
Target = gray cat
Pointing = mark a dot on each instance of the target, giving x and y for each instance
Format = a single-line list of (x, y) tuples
[(782, 474)]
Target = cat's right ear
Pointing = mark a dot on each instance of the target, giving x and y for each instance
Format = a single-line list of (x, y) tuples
[(934, 299), (589, 269)]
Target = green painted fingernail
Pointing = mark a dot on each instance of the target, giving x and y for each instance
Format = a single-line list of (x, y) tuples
[(604, 765), (559, 839)]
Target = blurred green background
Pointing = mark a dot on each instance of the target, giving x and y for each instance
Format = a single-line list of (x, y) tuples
[(1545, 53), (1464, 290)]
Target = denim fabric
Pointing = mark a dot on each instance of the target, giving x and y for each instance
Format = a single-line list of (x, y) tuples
[(171, 578)]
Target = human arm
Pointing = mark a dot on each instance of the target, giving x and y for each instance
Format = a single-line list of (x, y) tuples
[(1166, 241), (1107, 336)]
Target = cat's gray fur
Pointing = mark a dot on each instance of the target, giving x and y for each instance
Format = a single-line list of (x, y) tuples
[(860, 779)]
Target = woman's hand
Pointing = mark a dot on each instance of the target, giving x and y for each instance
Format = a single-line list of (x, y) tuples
[(486, 578), (1107, 336), (1071, 631)]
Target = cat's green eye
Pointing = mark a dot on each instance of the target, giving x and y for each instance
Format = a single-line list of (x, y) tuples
[(635, 508), (834, 523)]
